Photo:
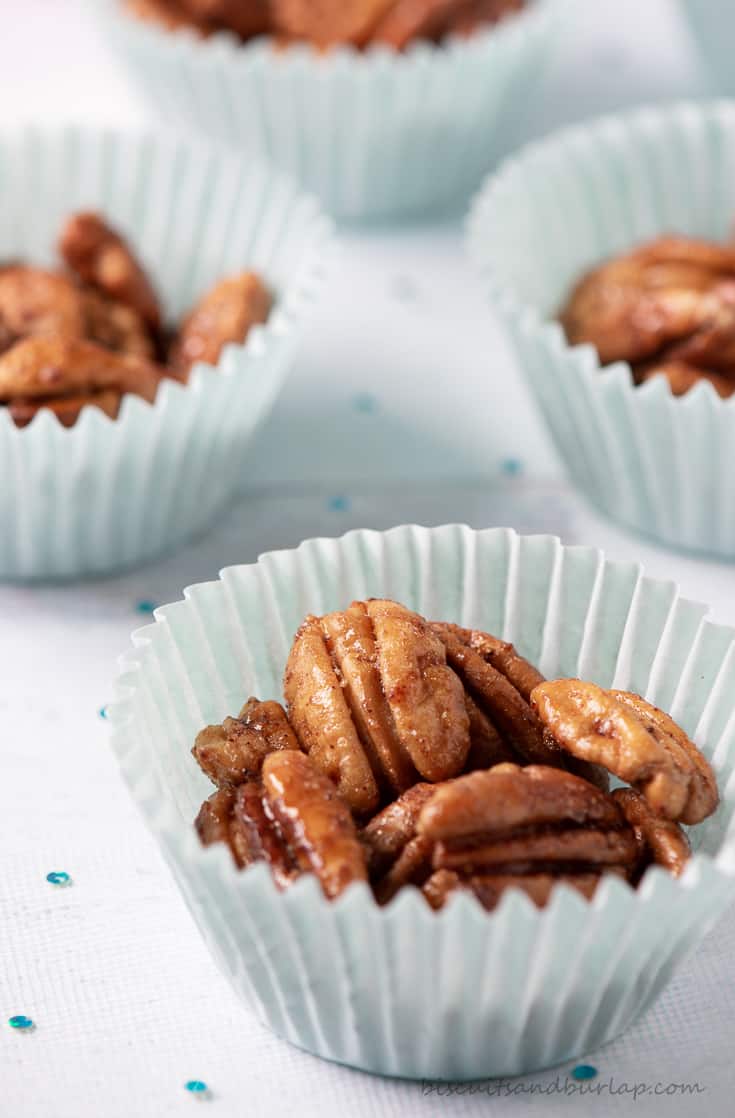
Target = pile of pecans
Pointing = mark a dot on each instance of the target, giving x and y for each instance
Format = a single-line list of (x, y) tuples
[(429, 755), (328, 23), (92, 330), (667, 307)]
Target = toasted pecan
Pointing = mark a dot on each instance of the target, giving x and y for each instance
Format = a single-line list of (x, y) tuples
[(635, 741), (234, 751)]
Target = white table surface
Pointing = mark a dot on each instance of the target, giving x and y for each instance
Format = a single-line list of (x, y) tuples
[(127, 1001)]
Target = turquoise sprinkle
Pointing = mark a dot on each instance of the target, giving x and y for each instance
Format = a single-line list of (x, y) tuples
[(338, 504), (365, 403), (584, 1071), (20, 1022), (196, 1087), (145, 606), (103, 712), (58, 877), (511, 467)]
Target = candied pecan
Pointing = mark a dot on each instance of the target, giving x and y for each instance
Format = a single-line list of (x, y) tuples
[(116, 326), (476, 14), (660, 841), (527, 827), (293, 820), (682, 377), (247, 19), (65, 373), (326, 23), (518, 822), (314, 822), (389, 832), (213, 821), (667, 306), (491, 701), (498, 699), (234, 752), (489, 888), (408, 20), (103, 260), (633, 740), (224, 315), (411, 867), (37, 302), (372, 700)]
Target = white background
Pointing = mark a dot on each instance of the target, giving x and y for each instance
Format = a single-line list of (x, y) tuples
[(127, 1001)]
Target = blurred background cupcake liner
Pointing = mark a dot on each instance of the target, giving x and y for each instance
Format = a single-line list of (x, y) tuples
[(713, 25), (375, 135), (403, 990), (106, 494), (662, 465)]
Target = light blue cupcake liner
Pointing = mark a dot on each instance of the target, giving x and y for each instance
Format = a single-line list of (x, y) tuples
[(662, 465), (713, 25), (402, 990), (106, 494), (375, 134)]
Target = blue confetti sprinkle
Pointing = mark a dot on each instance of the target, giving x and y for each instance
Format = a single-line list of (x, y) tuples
[(365, 403), (20, 1021), (103, 712), (338, 504), (145, 606), (58, 877), (511, 467), (196, 1087), (584, 1071)]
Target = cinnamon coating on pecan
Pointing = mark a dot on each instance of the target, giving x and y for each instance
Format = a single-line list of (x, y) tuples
[(666, 307), (314, 822), (234, 752), (660, 841), (171, 15), (103, 260), (34, 302), (225, 315), (389, 832), (293, 821), (328, 22), (523, 826), (372, 700), (633, 740), (66, 373)]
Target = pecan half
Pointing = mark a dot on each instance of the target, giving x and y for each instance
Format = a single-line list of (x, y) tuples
[(496, 694), (328, 22), (632, 739), (37, 302), (103, 260), (224, 315), (513, 825), (168, 14), (660, 841), (668, 306), (64, 374), (234, 752), (372, 701), (293, 820)]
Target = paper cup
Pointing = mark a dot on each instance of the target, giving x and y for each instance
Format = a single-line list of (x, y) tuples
[(106, 494), (713, 25), (403, 990), (375, 134), (662, 465)]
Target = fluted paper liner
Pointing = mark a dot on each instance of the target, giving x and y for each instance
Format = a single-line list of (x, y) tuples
[(660, 464), (105, 493), (360, 130), (403, 990)]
